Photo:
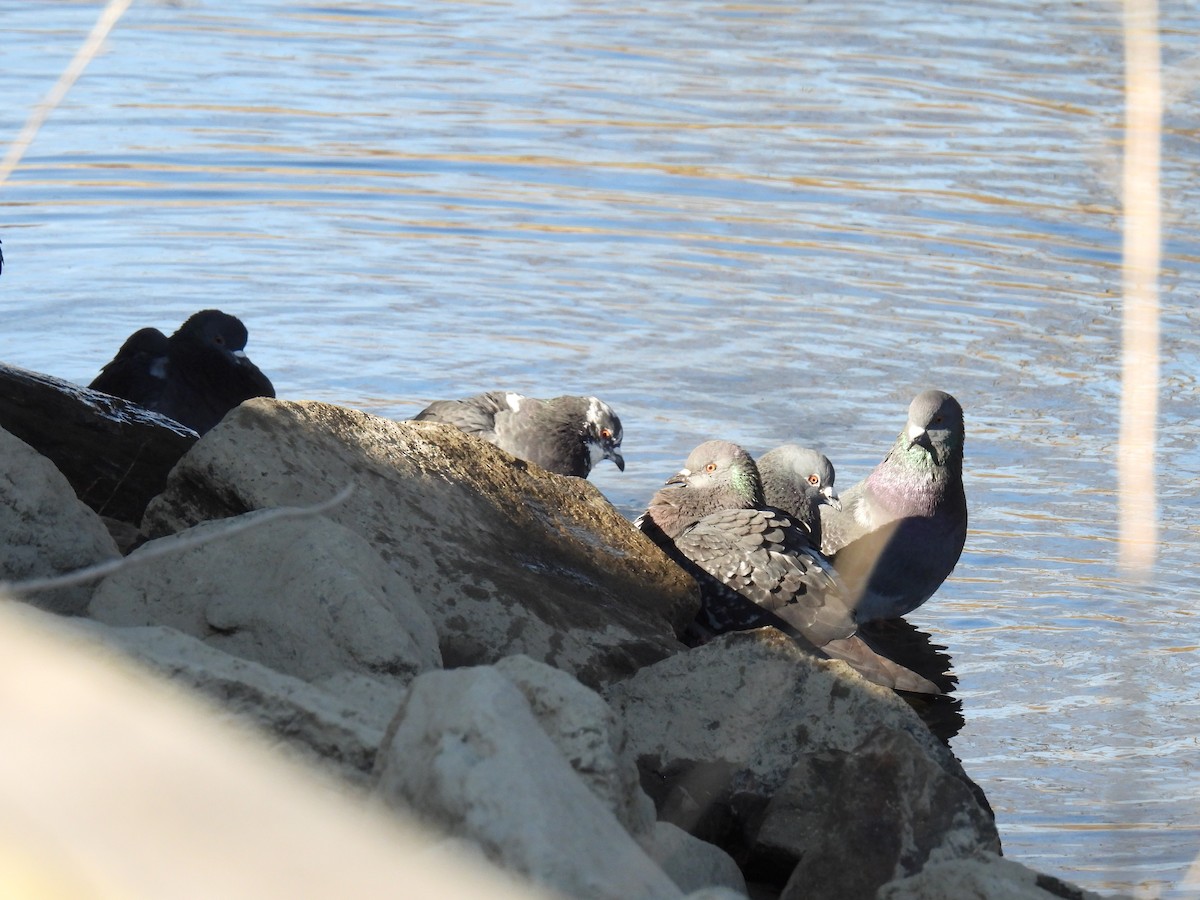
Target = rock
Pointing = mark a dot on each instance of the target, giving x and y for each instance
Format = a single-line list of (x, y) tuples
[(304, 596), (588, 735), (47, 531), (718, 731), (506, 558), (694, 865), (906, 810), (112, 784), (467, 754), (115, 454), (337, 726), (985, 877)]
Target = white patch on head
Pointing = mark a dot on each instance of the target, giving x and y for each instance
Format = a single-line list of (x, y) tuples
[(513, 400), (596, 409), (159, 369), (914, 431)]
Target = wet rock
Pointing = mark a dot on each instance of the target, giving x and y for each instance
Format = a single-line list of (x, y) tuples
[(985, 877), (305, 596), (467, 755), (46, 530), (115, 454), (908, 809), (506, 558), (718, 732)]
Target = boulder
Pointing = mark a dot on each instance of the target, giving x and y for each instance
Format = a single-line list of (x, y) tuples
[(467, 755), (907, 810), (115, 454), (984, 877), (587, 734), (592, 740), (506, 558), (718, 732), (694, 865), (336, 725), (304, 596), (47, 530)]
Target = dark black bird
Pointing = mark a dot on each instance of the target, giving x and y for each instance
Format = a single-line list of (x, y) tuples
[(565, 435), (195, 376), (754, 563), (900, 531)]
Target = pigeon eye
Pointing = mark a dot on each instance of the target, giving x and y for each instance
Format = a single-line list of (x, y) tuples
[(814, 480), (219, 341), (711, 467), (605, 433)]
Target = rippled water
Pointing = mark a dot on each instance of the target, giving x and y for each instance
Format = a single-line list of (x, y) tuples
[(762, 221)]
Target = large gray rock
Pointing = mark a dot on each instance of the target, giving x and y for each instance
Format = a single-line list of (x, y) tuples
[(887, 805), (507, 558), (985, 877), (336, 725), (46, 530), (467, 755), (304, 596), (695, 866), (718, 732), (588, 735)]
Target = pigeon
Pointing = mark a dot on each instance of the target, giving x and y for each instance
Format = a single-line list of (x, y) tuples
[(799, 480), (755, 564), (564, 435), (195, 376), (900, 531)]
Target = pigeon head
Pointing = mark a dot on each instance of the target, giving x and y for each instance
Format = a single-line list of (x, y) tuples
[(799, 472), (212, 331), (602, 433), (723, 472), (717, 476), (935, 424)]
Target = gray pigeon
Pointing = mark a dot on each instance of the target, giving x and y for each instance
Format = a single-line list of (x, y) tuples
[(754, 563), (565, 435), (799, 480), (195, 376), (901, 530)]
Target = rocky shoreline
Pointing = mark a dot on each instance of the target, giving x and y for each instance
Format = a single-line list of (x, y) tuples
[(487, 648)]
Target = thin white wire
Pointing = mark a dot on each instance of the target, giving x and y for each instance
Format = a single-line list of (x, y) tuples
[(165, 547)]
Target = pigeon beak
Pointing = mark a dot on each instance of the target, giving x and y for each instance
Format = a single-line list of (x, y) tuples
[(615, 455), (917, 435), (831, 496), (680, 477)]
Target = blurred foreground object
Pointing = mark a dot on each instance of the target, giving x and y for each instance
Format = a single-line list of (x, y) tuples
[(115, 785)]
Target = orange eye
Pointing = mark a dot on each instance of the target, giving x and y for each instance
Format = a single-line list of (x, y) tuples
[(814, 480), (711, 467), (605, 433)]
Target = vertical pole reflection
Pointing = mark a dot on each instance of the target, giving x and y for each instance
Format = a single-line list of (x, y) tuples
[(1138, 506)]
